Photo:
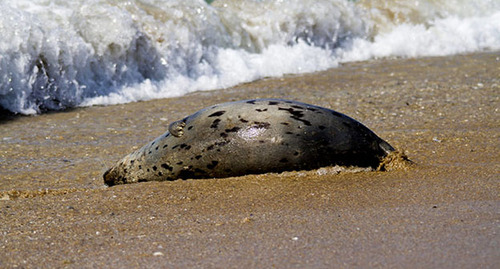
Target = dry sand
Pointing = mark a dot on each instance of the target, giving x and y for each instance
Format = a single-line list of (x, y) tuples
[(443, 213)]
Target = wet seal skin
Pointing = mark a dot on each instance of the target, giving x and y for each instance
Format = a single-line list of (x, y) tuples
[(252, 137)]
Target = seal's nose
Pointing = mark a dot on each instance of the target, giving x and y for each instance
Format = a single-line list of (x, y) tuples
[(108, 179)]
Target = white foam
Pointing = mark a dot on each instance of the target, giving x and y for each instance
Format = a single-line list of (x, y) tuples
[(233, 66), (451, 35), (59, 54)]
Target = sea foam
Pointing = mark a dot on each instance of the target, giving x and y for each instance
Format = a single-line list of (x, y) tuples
[(60, 54)]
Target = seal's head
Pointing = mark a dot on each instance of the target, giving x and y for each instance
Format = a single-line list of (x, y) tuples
[(118, 174), (112, 177)]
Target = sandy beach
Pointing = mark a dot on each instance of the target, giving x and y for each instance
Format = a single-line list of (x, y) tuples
[(444, 212)]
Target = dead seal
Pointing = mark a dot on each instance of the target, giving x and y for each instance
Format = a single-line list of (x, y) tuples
[(251, 137)]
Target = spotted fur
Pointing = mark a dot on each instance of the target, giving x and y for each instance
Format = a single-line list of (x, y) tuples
[(248, 137)]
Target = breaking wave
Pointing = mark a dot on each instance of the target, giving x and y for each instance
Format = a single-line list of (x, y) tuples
[(60, 54)]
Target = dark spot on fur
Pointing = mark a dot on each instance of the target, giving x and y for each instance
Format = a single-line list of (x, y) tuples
[(222, 143), (190, 127), (306, 122), (251, 102), (217, 114), (199, 171), (212, 165), (285, 123), (311, 109), (218, 144), (132, 161), (154, 168), (261, 110), (290, 133), (243, 120), (147, 169), (321, 127), (179, 163), (140, 166), (284, 160), (272, 103), (295, 113), (233, 130), (258, 124), (174, 147), (167, 167), (167, 135), (198, 157), (160, 174), (185, 174), (295, 153), (215, 123), (164, 146), (149, 152), (262, 141), (156, 148), (183, 146), (223, 135)]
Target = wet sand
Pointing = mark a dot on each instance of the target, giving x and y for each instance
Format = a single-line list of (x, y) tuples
[(442, 213)]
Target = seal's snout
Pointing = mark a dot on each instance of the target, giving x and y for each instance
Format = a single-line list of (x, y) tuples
[(115, 175), (108, 178)]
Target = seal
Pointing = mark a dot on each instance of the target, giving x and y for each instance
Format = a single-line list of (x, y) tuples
[(251, 137)]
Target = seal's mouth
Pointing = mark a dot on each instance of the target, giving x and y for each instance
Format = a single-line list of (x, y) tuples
[(108, 178)]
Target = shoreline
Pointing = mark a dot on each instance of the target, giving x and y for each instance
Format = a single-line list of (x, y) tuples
[(443, 212)]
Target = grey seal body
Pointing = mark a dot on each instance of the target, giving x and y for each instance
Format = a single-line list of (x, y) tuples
[(251, 137)]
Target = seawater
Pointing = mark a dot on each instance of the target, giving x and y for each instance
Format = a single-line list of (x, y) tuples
[(56, 54)]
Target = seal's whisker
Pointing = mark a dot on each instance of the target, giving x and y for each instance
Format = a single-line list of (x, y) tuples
[(104, 166)]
